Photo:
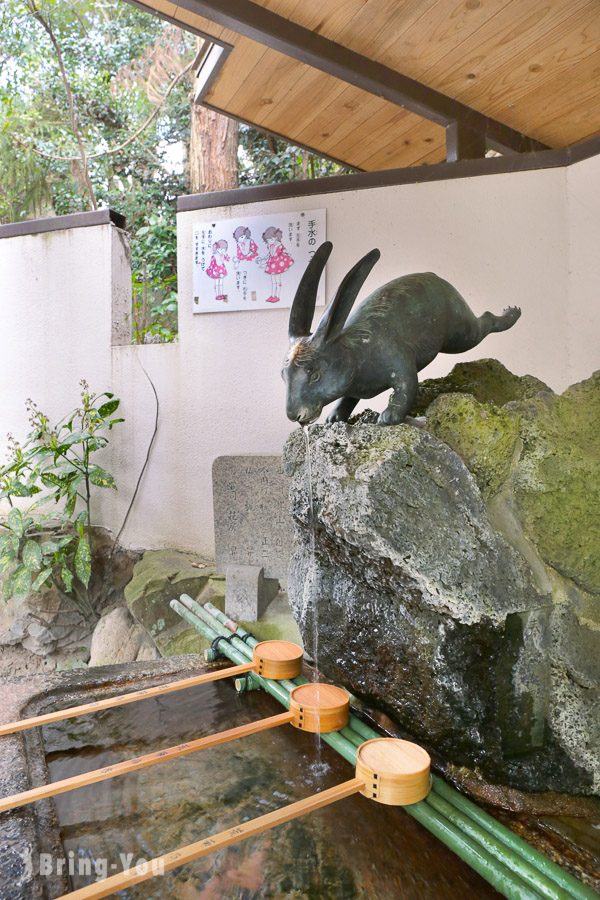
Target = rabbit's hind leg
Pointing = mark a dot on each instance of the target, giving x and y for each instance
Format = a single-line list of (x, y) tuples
[(401, 400), (342, 409)]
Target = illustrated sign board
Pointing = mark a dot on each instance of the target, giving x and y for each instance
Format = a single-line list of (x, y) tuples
[(254, 262)]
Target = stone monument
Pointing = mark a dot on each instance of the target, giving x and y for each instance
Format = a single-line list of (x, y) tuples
[(253, 531)]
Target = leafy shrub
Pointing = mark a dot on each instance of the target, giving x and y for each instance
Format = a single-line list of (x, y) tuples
[(38, 550)]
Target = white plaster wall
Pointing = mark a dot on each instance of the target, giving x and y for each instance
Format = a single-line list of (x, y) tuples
[(55, 296), (500, 239), (583, 261)]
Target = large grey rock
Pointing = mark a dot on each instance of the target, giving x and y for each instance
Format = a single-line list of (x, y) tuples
[(431, 601), (252, 523)]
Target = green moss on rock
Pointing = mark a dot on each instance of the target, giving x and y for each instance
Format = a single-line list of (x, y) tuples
[(484, 437), (485, 379), (160, 576), (557, 482)]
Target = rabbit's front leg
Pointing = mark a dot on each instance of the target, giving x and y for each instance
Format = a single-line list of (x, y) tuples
[(403, 398), (342, 409)]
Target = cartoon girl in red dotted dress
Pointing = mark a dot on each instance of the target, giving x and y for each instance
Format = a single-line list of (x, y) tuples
[(276, 262), (246, 247), (216, 268)]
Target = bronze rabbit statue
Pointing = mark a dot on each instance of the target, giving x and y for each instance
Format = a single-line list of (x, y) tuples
[(397, 331)]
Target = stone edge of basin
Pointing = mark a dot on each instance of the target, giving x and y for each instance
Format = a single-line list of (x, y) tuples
[(31, 830)]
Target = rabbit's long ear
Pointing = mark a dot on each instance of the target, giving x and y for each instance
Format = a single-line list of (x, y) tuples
[(334, 317), (303, 307)]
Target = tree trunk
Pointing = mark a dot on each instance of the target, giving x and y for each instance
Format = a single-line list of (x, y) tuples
[(213, 161)]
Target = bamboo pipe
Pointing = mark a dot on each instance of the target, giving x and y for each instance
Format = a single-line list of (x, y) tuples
[(216, 842), (563, 880), (142, 762), (544, 886), (514, 844), (498, 874), (124, 699), (278, 689), (493, 871)]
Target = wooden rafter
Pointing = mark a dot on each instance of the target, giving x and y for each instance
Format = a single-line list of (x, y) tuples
[(299, 43)]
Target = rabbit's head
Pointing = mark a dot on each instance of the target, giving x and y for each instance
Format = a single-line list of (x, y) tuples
[(318, 368)]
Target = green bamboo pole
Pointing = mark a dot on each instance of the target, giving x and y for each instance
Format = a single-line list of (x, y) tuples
[(347, 748), (493, 870), (536, 879), (564, 879), (357, 731), (497, 874), (218, 626), (272, 687)]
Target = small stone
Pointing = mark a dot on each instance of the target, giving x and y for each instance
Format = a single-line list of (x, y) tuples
[(117, 638)]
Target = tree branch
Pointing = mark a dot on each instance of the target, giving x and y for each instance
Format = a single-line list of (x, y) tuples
[(111, 151), (82, 158)]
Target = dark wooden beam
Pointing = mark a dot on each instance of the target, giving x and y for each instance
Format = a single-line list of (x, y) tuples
[(266, 27), (60, 223), (333, 184), (464, 143)]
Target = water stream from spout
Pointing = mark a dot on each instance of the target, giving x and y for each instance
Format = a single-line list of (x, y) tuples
[(311, 588)]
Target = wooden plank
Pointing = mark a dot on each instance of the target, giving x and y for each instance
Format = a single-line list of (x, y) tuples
[(142, 762), (245, 59), (267, 88), (582, 123), (312, 92), (216, 842), (340, 118), (310, 48), (416, 144), (389, 120), (123, 699), (437, 33), (554, 102), (162, 6), (527, 48)]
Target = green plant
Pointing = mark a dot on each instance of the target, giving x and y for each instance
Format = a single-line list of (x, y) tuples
[(41, 549)]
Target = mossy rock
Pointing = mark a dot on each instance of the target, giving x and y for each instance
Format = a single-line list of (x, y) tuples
[(160, 576), (557, 481), (485, 379), (484, 436)]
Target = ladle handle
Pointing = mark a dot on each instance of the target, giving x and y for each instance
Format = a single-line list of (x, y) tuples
[(143, 762), (216, 842), (124, 699)]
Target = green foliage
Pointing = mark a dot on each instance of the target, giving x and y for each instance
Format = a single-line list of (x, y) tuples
[(111, 52), (119, 62), (55, 462), (267, 160)]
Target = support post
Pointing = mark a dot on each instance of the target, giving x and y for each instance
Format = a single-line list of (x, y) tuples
[(463, 142)]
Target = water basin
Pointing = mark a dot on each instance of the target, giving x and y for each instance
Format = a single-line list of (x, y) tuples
[(354, 849)]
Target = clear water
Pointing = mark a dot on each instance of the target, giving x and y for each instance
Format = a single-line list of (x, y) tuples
[(353, 849), (319, 767)]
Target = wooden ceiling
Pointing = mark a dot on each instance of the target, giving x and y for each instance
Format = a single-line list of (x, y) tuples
[(533, 65)]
